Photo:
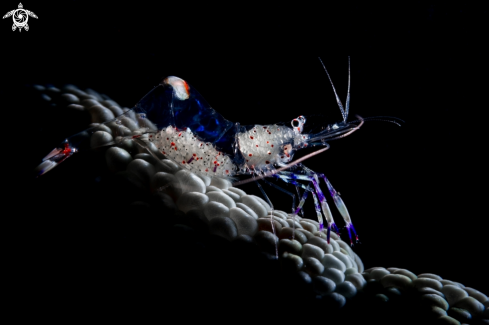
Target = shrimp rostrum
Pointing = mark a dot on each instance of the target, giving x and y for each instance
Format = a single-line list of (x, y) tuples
[(174, 119)]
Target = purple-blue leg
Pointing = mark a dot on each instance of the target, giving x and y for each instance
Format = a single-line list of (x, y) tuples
[(340, 205), (342, 208), (290, 177), (325, 208)]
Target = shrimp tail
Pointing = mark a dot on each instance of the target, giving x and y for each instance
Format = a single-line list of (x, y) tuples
[(87, 139), (55, 157), (71, 145)]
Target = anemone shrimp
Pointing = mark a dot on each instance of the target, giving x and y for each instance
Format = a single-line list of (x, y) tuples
[(174, 119)]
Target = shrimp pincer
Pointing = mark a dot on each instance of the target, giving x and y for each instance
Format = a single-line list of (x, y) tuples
[(174, 120)]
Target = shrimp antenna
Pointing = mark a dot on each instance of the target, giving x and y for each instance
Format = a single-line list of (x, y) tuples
[(343, 112), (348, 93), (275, 171), (389, 119), (349, 131)]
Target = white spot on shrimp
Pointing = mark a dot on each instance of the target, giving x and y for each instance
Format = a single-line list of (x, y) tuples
[(180, 87)]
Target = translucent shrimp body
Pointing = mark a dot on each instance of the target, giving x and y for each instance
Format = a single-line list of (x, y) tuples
[(256, 149), (176, 119), (184, 148), (263, 146)]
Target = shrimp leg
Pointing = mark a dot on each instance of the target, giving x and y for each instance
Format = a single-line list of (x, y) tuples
[(271, 219), (340, 205), (292, 178), (283, 190), (293, 202)]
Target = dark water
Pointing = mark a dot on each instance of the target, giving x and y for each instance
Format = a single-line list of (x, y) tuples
[(415, 193)]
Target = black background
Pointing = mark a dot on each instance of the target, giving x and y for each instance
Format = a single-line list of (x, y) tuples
[(416, 193)]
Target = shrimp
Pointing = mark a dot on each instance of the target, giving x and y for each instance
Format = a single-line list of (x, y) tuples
[(174, 119)]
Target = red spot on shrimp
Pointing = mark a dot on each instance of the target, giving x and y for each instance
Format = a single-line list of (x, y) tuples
[(268, 142), (282, 157), (172, 144), (298, 129), (206, 170), (187, 88), (163, 152), (251, 137), (257, 146), (227, 171), (183, 162), (250, 155), (67, 149), (179, 134), (269, 153), (150, 136), (215, 162), (168, 138), (264, 127), (136, 136), (272, 145), (267, 162), (175, 148)]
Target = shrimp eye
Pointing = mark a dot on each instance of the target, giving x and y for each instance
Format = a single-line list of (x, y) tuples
[(295, 123)]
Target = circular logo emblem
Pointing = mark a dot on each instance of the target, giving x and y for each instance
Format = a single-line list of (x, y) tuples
[(20, 18)]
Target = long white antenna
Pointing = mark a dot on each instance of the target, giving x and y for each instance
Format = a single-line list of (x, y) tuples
[(348, 94), (345, 115)]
